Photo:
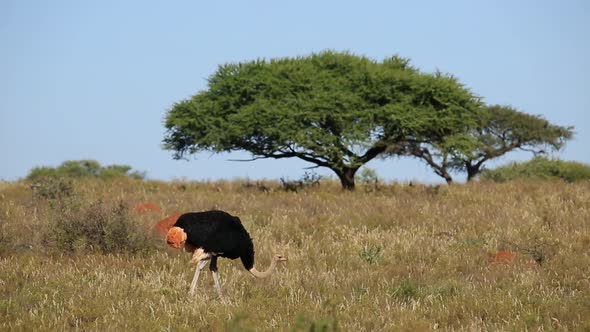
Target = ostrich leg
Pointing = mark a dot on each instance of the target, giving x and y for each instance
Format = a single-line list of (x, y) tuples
[(200, 259), (193, 290), (213, 268)]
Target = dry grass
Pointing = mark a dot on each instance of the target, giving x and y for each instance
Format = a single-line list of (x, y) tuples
[(402, 258)]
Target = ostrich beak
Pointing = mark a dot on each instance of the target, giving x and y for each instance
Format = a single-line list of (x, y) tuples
[(174, 244)]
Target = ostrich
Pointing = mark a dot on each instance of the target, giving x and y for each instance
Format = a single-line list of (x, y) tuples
[(212, 234)]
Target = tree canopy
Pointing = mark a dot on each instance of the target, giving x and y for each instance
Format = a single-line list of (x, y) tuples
[(497, 131), (332, 109)]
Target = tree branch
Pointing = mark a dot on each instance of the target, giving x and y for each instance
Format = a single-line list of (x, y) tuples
[(252, 159), (373, 152)]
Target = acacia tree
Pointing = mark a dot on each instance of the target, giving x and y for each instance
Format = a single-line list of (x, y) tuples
[(497, 131), (503, 129), (334, 110)]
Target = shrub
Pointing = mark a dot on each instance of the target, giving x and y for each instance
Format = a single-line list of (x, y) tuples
[(84, 168), (79, 225), (540, 168), (369, 178), (51, 188), (258, 186), (114, 171), (309, 179)]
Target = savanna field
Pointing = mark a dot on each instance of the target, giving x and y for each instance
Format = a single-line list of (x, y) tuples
[(479, 257)]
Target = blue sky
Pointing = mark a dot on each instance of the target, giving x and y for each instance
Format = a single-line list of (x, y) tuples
[(93, 80)]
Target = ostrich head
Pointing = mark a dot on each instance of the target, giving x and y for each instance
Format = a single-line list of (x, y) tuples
[(176, 237), (280, 258)]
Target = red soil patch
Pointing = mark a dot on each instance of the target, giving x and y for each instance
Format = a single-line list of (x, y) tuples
[(146, 208), (505, 257), (162, 227)]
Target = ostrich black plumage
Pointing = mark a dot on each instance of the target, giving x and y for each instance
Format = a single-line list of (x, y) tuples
[(212, 234)]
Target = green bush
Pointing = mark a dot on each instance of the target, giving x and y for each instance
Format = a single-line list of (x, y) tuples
[(83, 168), (541, 169)]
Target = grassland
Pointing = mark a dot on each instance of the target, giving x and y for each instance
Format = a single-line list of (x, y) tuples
[(403, 258)]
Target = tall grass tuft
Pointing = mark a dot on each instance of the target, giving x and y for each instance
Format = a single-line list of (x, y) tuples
[(406, 291), (370, 253)]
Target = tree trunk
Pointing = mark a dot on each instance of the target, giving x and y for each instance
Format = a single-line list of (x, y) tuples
[(472, 171), (346, 177), (442, 172), (447, 177), (470, 175)]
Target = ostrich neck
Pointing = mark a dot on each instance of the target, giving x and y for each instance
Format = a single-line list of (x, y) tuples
[(266, 273)]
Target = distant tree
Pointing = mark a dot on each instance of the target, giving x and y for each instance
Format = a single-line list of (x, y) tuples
[(503, 129), (84, 168), (334, 110), (540, 168), (497, 131)]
